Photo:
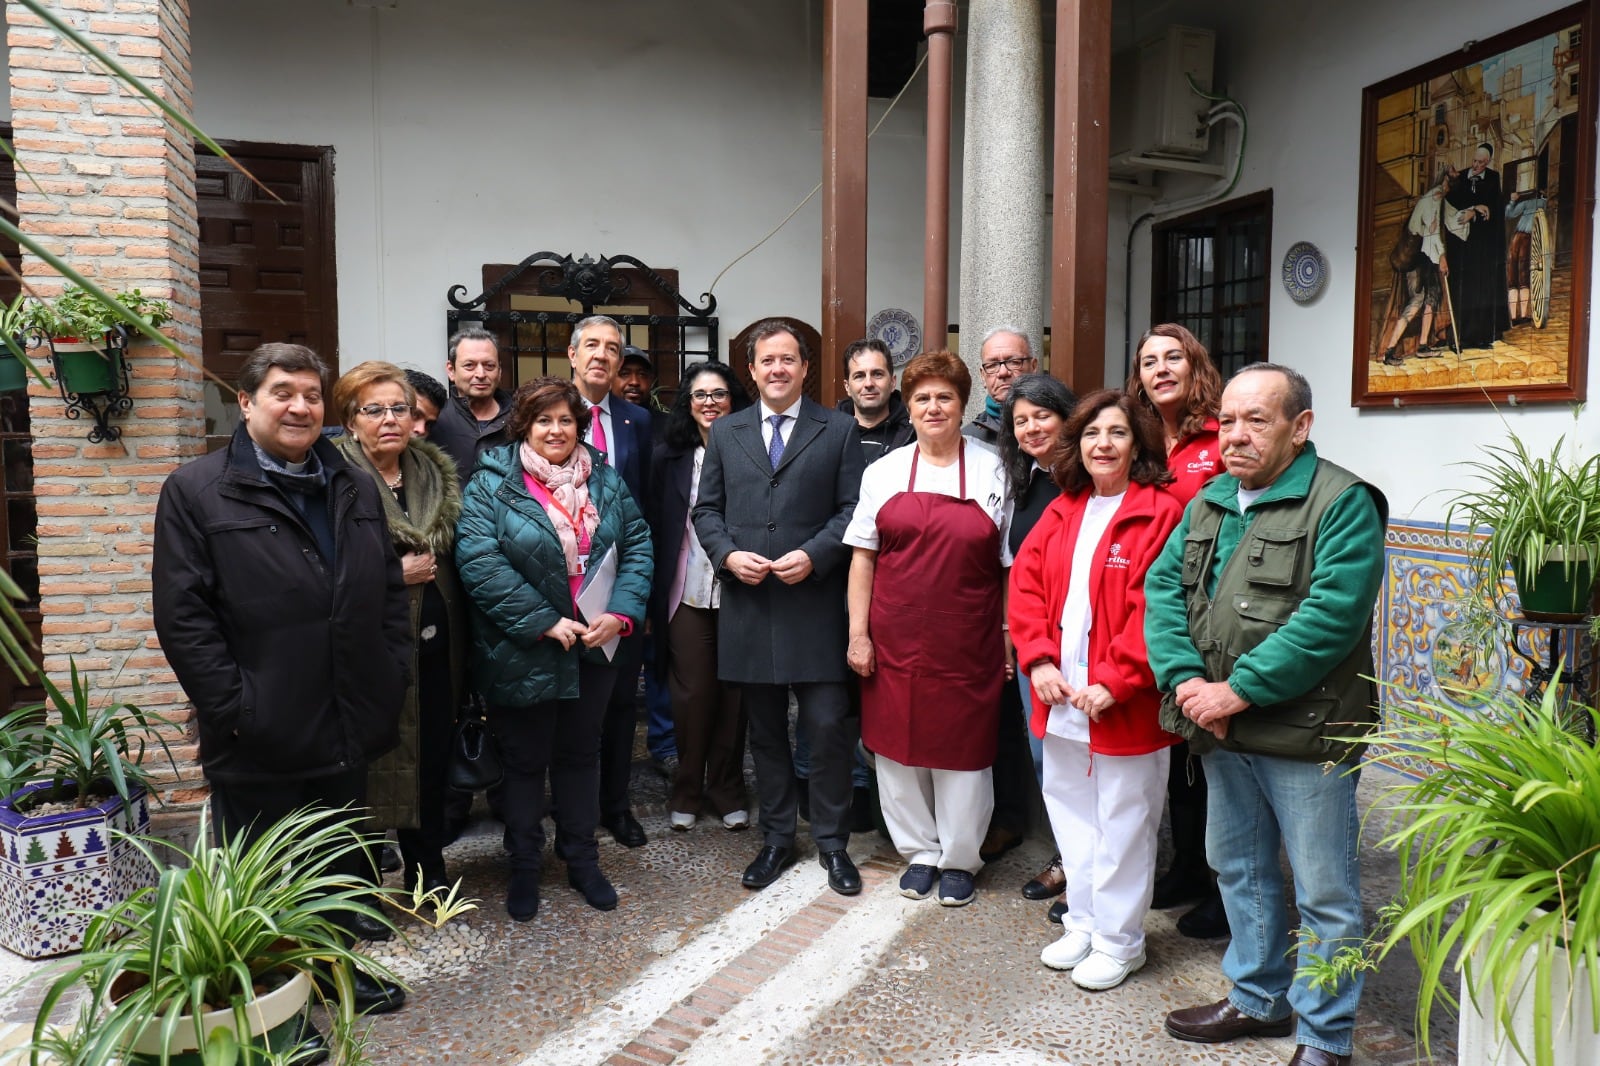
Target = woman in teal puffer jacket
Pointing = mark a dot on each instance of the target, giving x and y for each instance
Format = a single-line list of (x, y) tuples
[(534, 517)]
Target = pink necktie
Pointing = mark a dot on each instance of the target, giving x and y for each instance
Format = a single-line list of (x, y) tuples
[(597, 435)]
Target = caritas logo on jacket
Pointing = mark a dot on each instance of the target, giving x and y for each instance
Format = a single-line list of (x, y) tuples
[(1203, 463), (1115, 559)]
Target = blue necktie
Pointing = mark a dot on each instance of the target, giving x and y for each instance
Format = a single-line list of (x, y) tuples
[(775, 449)]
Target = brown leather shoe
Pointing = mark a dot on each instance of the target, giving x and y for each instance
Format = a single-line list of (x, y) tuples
[(1305, 1055), (997, 842), (1220, 1021), (1050, 882)]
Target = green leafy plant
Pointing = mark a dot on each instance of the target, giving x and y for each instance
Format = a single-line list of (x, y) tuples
[(84, 748), (1539, 508), (221, 922), (1499, 849), (85, 316)]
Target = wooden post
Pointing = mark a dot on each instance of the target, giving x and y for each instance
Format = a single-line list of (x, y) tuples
[(844, 187), (1079, 195), (939, 24)]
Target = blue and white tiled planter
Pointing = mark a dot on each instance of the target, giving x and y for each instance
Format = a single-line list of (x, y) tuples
[(56, 865)]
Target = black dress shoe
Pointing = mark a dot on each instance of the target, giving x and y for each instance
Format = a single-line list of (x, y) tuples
[(1206, 922), (842, 875), (371, 995), (1057, 909), (1217, 1022), (522, 895), (307, 1047), (1177, 887), (627, 830), (364, 928), (389, 859), (997, 841), (1306, 1055), (1050, 882), (770, 861)]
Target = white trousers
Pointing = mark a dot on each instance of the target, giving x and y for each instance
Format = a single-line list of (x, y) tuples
[(1105, 813), (936, 817)]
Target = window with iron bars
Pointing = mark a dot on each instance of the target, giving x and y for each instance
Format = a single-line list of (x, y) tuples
[(1210, 275)]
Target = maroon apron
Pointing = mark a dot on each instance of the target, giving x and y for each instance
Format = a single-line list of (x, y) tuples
[(934, 698)]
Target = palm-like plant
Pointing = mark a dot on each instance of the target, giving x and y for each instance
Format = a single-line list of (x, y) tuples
[(82, 748), (1499, 849), (219, 923)]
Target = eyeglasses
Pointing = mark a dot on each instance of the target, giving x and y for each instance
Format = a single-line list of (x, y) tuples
[(1014, 364), (378, 410), (714, 396)]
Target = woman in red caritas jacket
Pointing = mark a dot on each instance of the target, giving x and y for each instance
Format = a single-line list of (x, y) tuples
[(1176, 379), (1076, 613)]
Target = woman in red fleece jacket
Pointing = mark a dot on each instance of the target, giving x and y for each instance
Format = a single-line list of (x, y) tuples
[(1076, 613), (1176, 379)]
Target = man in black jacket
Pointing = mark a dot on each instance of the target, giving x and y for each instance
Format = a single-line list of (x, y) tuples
[(474, 419), (881, 416), (280, 604)]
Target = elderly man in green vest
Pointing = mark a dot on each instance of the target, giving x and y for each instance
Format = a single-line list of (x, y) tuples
[(1259, 630)]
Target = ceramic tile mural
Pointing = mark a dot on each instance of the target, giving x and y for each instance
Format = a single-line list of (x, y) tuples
[(53, 865), (1418, 643)]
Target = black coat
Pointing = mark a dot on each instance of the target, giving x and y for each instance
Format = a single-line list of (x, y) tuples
[(465, 439), (667, 511), (296, 669), (773, 633)]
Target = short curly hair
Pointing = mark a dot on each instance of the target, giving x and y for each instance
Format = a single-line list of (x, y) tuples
[(361, 377), (534, 398), (942, 365)]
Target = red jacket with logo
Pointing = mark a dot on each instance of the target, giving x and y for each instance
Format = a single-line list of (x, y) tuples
[(1195, 461), (1117, 660)]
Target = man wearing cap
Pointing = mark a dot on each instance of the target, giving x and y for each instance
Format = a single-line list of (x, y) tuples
[(636, 379)]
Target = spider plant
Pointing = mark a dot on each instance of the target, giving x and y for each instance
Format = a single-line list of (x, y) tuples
[(221, 919), (1540, 509), (1499, 849)]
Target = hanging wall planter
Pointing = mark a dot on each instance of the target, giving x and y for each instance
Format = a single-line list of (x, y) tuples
[(13, 375), (86, 368)]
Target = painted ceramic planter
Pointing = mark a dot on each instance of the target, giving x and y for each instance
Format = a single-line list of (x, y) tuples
[(54, 865), (84, 368)]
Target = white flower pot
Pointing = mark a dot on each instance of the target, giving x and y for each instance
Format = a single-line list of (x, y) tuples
[(1481, 1041)]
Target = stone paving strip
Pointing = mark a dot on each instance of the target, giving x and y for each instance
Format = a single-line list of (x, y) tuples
[(730, 993)]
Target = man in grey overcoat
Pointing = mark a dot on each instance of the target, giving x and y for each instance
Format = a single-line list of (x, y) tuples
[(777, 491)]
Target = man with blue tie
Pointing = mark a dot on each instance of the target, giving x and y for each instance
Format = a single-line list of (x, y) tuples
[(777, 490), (620, 431)]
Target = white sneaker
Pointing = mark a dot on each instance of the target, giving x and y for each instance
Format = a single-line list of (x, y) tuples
[(735, 820), (682, 821), (1065, 952), (1100, 971)]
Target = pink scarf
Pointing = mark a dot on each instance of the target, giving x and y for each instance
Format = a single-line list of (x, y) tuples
[(568, 493)]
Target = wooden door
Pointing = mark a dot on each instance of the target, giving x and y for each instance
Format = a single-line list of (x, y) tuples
[(266, 265)]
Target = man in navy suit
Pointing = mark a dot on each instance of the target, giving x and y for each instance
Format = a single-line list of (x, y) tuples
[(621, 432), (777, 490)]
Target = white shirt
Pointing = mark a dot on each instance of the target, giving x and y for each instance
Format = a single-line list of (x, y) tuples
[(1077, 616), (789, 414), (602, 415), (986, 484), (700, 588), (1248, 497)]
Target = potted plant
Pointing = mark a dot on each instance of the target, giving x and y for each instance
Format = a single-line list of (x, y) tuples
[(215, 962), (217, 952), (74, 788), (13, 328), (1544, 517), (1499, 849), (87, 334)]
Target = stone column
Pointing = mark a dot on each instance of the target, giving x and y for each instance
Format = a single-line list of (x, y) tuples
[(115, 200), (1002, 211)]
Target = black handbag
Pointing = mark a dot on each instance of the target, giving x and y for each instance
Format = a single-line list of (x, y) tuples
[(474, 763)]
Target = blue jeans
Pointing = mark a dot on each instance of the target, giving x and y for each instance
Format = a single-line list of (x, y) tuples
[(1257, 802)]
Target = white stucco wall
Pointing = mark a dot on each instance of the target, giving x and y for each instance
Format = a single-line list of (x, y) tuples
[(476, 131), (1299, 70)]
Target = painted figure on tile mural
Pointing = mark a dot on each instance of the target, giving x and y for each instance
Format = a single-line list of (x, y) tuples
[(1477, 261)]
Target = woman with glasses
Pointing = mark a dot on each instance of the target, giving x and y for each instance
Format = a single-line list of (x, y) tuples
[(537, 514), (421, 500), (707, 717)]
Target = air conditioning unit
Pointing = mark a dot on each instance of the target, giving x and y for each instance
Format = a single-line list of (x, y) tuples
[(1155, 114)]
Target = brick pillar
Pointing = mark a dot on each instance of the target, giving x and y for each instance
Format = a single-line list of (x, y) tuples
[(115, 199)]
